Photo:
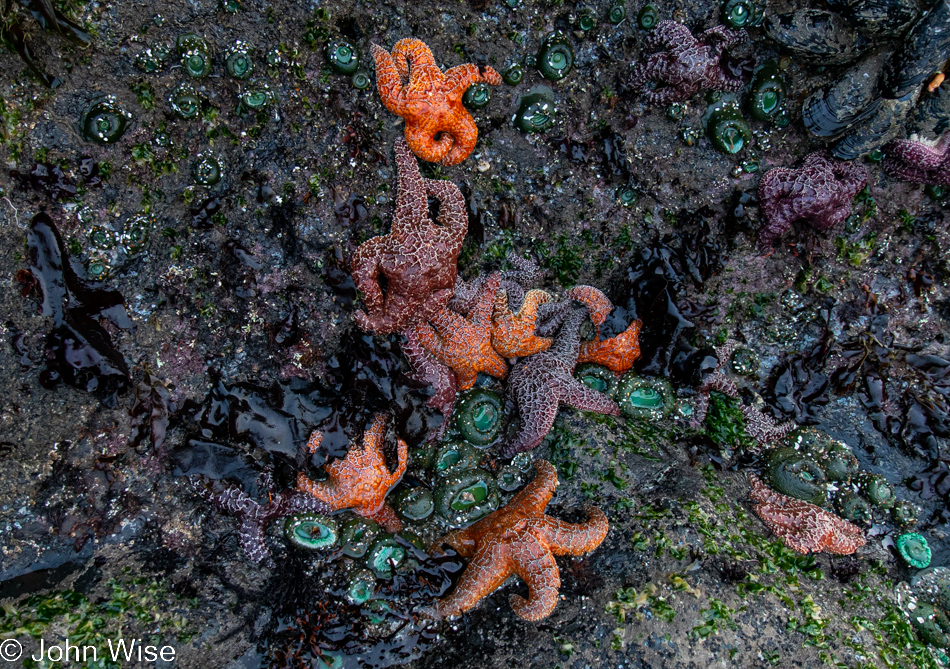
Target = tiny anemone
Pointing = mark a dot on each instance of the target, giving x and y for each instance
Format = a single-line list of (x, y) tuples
[(741, 13), (360, 80), (104, 121), (207, 170), (135, 234), (357, 535), (768, 93), (617, 12), (555, 57), (477, 96), (852, 507), (465, 496), (834, 457), (597, 377), (744, 362), (877, 490), (386, 556), (648, 17), (513, 74), (185, 101), (535, 110), (237, 61), (727, 130), (585, 20), (904, 513), (513, 475), (414, 503), (256, 97), (455, 456), (914, 549), (342, 56), (311, 531), (642, 397), (195, 55), (479, 417), (360, 586), (794, 474), (932, 625)]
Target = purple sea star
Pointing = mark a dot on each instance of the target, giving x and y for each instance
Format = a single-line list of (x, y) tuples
[(686, 65), (426, 369), (539, 383), (253, 517), (418, 257), (820, 192), (524, 276), (919, 160)]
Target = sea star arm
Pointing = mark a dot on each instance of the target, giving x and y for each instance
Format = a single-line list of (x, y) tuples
[(365, 269), (421, 138), (402, 50), (384, 516), (412, 206), (594, 299), (669, 36), (388, 80), (574, 393), (402, 454), (463, 76), (322, 491), (575, 538), (452, 214), (538, 411), (922, 155), (727, 36), (537, 568), (568, 340), (460, 540), (484, 573), (426, 369), (485, 301), (540, 490)]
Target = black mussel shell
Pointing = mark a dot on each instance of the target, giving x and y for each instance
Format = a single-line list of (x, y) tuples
[(932, 116), (848, 101), (817, 36), (886, 124), (878, 18), (922, 53)]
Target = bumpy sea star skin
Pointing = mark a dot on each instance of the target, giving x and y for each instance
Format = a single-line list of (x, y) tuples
[(686, 65), (552, 314), (757, 425), (418, 257), (464, 344), (919, 160), (820, 192), (512, 334), (542, 381), (426, 369), (439, 129), (617, 353), (515, 282), (253, 517), (361, 480), (802, 526), (519, 539)]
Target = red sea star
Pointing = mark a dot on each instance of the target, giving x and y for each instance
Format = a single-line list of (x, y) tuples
[(361, 480), (418, 257), (918, 160), (540, 382), (464, 344), (686, 65), (802, 526), (617, 353), (520, 539), (438, 127), (820, 192)]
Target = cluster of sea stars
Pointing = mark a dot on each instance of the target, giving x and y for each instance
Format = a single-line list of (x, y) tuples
[(802, 526), (686, 65)]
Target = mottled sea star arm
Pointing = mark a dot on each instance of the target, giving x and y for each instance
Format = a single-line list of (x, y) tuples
[(460, 540), (574, 393), (463, 76), (388, 80), (485, 573), (537, 568), (365, 269), (538, 411), (568, 340), (412, 206), (420, 135), (321, 491), (401, 52), (384, 516), (576, 539), (452, 214), (484, 301), (539, 490)]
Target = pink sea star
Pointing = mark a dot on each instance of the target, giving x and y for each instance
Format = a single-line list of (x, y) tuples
[(919, 160)]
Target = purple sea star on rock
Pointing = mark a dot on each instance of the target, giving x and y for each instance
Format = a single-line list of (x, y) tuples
[(253, 517), (418, 257), (757, 425), (686, 65), (539, 383), (426, 369), (523, 276), (919, 160), (820, 192)]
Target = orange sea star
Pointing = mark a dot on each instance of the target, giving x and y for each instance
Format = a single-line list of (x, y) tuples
[(439, 129), (464, 344), (360, 481), (418, 258), (512, 333), (802, 526), (520, 539), (617, 353)]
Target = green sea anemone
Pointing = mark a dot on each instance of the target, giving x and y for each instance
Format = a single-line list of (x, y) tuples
[(648, 17), (360, 80), (744, 362), (185, 101), (237, 60), (465, 496), (207, 171), (617, 12), (195, 55), (905, 513), (833, 456), (414, 503), (535, 110), (794, 474), (768, 93), (642, 397), (256, 97), (357, 535), (513, 74), (727, 130), (342, 56), (597, 377), (477, 96), (877, 490), (360, 586), (741, 13), (386, 555), (479, 416), (555, 57), (513, 475), (914, 549), (104, 121), (853, 507), (135, 234), (311, 531), (456, 455)]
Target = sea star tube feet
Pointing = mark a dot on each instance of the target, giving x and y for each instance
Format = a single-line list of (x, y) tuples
[(439, 129), (519, 539)]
